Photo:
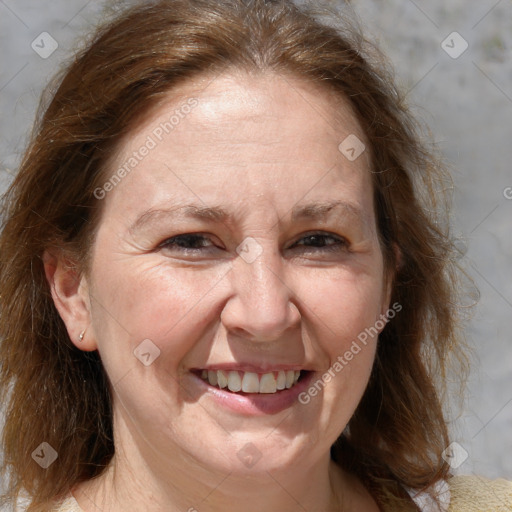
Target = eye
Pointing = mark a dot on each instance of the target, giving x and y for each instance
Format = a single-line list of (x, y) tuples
[(318, 242), (197, 243), (190, 242)]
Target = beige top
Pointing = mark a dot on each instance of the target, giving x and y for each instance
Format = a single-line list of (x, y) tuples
[(477, 494), (462, 494)]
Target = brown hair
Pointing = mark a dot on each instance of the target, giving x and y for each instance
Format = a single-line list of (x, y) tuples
[(59, 394)]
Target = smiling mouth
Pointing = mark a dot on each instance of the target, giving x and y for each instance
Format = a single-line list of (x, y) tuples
[(241, 382)]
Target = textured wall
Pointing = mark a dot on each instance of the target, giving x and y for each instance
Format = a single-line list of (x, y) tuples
[(467, 101), (464, 94)]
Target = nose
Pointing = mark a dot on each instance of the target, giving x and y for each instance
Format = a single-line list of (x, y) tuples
[(261, 306)]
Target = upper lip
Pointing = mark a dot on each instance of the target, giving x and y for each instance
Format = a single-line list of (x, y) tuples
[(250, 367)]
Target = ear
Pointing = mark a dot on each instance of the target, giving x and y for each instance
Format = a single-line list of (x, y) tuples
[(390, 279), (70, 295)]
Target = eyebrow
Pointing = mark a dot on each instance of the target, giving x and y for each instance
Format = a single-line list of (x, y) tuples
[(312, 211)]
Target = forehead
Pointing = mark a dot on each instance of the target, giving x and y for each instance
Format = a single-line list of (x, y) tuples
[(248, 139)]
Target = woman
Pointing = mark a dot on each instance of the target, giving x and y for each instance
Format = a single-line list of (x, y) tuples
[(223, 286)]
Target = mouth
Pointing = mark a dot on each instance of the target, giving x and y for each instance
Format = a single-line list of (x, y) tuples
[(250, 393), (242, 382)]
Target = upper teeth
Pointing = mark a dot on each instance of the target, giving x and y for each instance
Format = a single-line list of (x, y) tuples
[(250, 382)]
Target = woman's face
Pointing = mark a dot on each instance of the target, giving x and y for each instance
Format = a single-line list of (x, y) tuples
[(237, 249)]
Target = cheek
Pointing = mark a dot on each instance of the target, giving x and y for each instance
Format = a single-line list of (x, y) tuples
[(342, 306), (139, 301), (345, 321)]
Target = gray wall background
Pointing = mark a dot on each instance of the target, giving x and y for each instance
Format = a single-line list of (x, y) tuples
[(466, 100)]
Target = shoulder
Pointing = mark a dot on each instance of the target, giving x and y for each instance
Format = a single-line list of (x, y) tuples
[(465, 494), (68, 505), (479, 494), (458, 494)]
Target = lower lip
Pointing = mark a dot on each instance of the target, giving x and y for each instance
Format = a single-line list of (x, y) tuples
[(253, 404)]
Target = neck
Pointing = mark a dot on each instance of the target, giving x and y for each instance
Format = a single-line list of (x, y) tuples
[(140, 477), (139, 480), (120, 489)]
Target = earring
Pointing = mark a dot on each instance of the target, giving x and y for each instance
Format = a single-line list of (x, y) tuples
[(81, 336)]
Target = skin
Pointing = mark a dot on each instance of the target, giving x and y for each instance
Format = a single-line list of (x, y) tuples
[(257, 146)]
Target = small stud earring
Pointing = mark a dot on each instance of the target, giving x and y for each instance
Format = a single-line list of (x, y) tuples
[(82, 334)]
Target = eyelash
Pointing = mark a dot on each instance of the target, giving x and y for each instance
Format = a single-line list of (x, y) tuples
[(174, 242)]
